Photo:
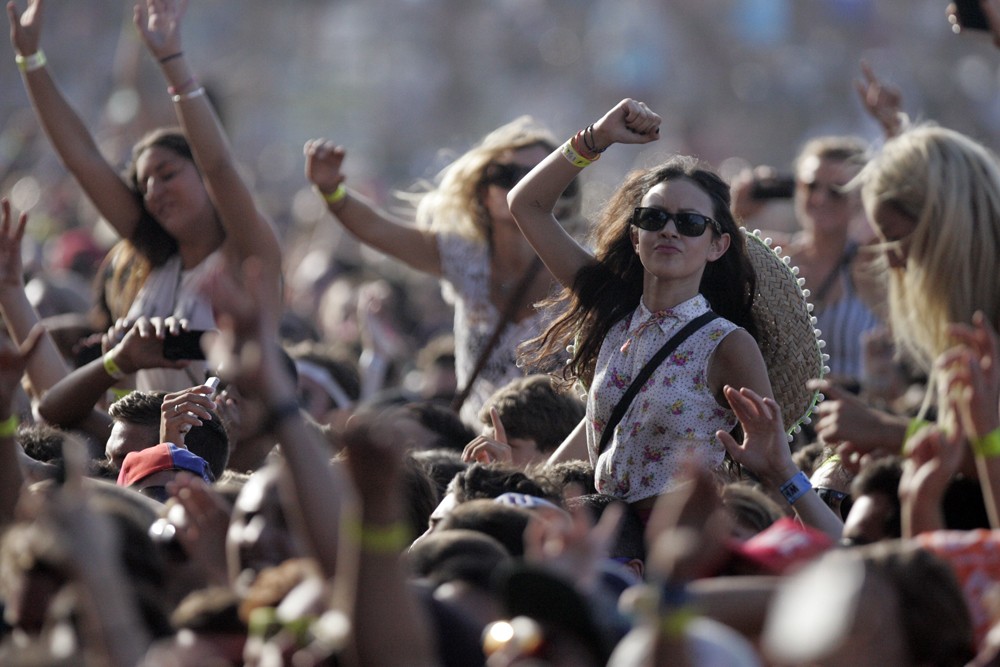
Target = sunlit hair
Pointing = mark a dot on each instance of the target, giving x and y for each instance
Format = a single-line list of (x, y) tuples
[(851, 150), (454, 204), (609, 288), (950, 186)]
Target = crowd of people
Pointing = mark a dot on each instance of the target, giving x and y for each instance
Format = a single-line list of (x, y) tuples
[(653, 438)]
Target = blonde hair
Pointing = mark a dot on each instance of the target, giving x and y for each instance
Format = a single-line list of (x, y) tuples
[(949, 185), (454, 204)]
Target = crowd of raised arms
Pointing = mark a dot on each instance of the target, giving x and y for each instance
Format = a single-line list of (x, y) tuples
[(647, 438)]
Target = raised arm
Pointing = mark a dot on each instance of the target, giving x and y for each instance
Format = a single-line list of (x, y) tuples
[(47, 366), (13, 361), (972, 381), (765, 452), (65, 129), (533, 200), (882, 101), (366, 222), (248, 232), (74, 397)]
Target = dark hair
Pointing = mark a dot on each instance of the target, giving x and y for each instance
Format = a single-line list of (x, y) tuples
[(452, 432), (631, 540), (41, 442), (505, 523), (466, 555), (421, 494), (210, 441), (928, 592), (441, 464), (493, 480), (608, 289), (556, 477), (533, 407), (138, 407), (150, 245)]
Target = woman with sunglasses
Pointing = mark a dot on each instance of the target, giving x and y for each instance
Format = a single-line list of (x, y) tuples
[(666, 250), (465, 236), (827, 250)]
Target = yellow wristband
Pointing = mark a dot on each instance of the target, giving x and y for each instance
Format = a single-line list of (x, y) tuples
[(389, 539), (911, 430), (111, 368), (30, 63), (120, 393), (334, 197), (8, 427), (987, 446), (674, 623), (574, 158)]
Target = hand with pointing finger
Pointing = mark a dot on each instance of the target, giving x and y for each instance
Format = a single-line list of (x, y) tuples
[(498, 447)]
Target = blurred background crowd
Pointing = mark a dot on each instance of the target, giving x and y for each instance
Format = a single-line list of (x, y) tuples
[(738, 82)]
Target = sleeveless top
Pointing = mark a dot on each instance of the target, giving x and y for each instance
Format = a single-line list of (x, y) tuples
[(465, 270), (171, 290), (842, 324), (672, 419)]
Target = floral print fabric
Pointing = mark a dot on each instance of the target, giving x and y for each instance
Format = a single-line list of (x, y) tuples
[(674, 416)]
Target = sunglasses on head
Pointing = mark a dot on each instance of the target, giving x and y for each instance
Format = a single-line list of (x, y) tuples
[(508, 175), (687, 224)]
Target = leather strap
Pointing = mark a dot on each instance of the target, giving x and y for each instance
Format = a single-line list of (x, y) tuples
[(647, 371), (506, 316)]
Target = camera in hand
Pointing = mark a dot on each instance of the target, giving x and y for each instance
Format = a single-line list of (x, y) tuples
[(185, 345), (773, 187)]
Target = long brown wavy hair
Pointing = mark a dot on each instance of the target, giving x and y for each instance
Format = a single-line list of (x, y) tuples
[(131, 260), (609, 288)]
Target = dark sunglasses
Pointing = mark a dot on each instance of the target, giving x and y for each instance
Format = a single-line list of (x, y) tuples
[(838, 501), (687, 224), (508, 175)]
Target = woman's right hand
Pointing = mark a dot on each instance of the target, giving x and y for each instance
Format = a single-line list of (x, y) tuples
[(847, 422), (25, 27), (324, 161), (629, 122), (11, 270)]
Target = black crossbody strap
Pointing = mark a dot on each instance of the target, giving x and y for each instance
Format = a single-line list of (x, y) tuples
[(647, 370)]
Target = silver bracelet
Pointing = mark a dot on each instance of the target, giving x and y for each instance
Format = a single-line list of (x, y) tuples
[(197, 92)]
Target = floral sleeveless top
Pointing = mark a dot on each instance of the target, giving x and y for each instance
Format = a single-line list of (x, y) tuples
[(673, 418)]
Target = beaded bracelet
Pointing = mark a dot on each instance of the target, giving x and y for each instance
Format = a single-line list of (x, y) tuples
[(197, 92), (389, 539), (987, 446), (112, 368), (334, 197), (570, 153), (30, 63), (8, 427), (798, 486)]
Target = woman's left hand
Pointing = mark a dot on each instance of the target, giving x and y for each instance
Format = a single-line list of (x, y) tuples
[(11, 269), (159, 23), (764, 450)]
